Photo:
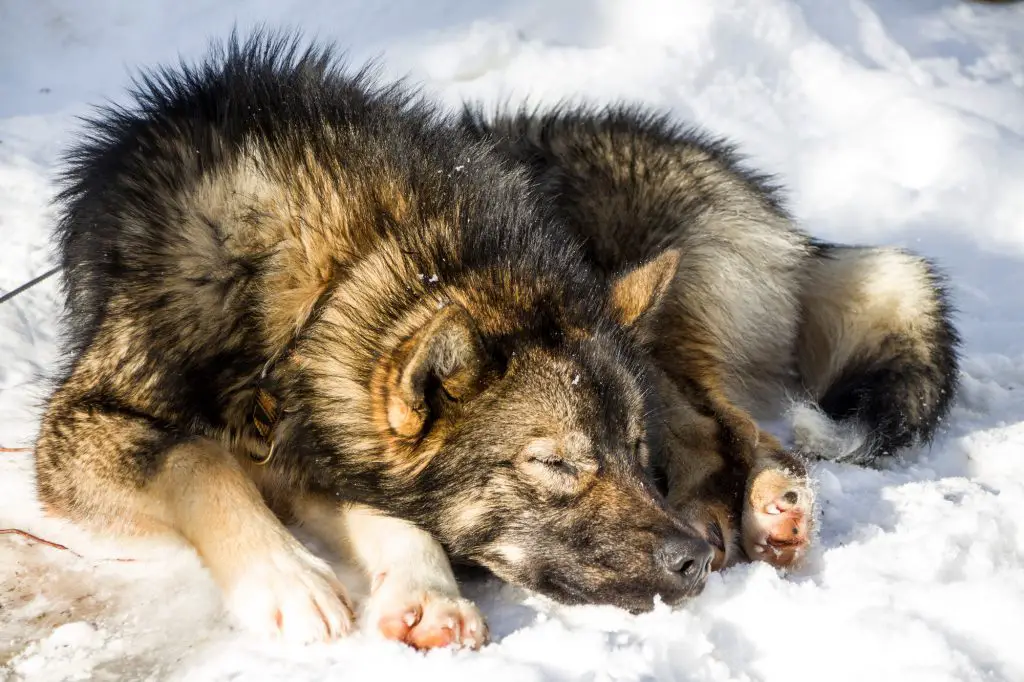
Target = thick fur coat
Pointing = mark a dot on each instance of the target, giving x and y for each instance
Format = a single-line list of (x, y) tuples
[(296, 295)]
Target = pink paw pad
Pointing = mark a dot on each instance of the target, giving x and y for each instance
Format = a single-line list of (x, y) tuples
[(777, 523)]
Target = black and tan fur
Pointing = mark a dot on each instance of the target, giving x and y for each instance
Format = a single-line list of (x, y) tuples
[(445, 363), (759, 316)]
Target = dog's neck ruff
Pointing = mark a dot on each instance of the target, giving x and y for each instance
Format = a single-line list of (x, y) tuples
[(266, 408)]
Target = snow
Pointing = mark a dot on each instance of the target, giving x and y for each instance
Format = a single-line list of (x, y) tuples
[(890, 122)]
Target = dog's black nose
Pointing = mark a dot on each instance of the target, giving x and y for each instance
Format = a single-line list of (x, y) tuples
[(689, 557)]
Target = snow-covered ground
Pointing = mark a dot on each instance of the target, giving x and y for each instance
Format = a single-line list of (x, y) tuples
[(892, 121)]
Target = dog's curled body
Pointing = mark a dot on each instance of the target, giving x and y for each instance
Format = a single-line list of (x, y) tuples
[(437, 347), (760, 317)]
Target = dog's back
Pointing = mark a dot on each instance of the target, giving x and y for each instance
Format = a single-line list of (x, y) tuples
[(630, 185)]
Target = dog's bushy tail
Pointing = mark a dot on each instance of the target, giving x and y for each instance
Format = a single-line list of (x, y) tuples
[(877, 351)]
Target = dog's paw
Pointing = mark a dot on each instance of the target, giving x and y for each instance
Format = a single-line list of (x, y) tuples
[(778, 514), (289, 594), (425, 618)]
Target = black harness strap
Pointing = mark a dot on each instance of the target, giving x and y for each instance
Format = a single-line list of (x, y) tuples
[(29, 284)]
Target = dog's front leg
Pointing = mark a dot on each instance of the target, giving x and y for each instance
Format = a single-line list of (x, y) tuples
[(414, 597), (758, 505)]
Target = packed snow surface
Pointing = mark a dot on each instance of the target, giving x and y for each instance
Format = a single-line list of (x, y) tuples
[(890, 121)]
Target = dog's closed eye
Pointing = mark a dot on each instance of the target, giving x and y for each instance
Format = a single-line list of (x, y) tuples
[(556, 464), (553, 464)]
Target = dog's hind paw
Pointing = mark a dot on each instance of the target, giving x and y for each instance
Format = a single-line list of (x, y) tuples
[(290, 594), (778, 514), (426, 619)]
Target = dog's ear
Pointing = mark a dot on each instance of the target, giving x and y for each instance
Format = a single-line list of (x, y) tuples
[(638, 293), (442, 361)]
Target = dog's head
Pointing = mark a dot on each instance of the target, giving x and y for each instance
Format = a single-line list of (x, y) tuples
[(528, 450)]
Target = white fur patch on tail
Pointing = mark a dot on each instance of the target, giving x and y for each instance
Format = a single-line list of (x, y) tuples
[(855, 299), (819, 437)]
